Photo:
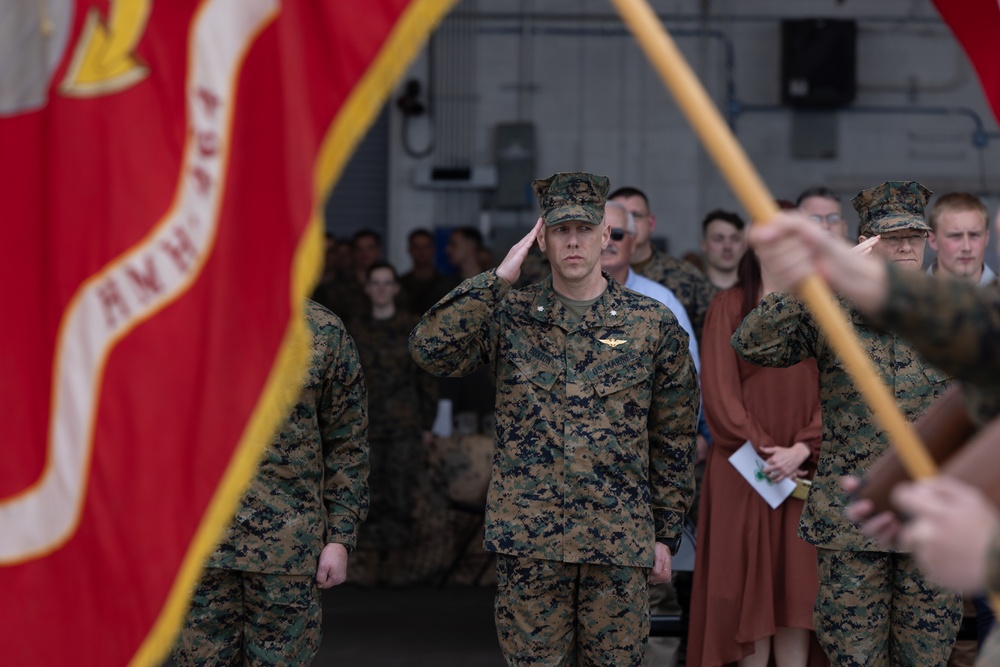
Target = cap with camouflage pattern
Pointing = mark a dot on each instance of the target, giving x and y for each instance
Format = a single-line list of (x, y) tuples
[(572, 196), (891, 206)]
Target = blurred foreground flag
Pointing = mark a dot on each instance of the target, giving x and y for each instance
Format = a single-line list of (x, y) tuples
[(976, 24), (162, 166)]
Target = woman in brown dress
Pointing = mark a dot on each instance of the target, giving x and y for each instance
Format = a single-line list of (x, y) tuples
[(755, 581)]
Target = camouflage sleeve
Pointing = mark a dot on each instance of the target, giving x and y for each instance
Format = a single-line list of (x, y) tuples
[(955, 325), (673, 424), (778, 333), (455, 335), (343, 420)]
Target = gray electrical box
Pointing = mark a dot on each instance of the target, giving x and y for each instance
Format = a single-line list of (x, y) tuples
[(515, 160)]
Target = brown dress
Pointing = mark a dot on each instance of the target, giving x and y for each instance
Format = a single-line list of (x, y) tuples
[(752, 571)]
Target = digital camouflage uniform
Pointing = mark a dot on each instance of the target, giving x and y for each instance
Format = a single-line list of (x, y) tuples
[(258, 594), (957, 326), (402, 400), (874, 607), (595, 427), (688, 284)]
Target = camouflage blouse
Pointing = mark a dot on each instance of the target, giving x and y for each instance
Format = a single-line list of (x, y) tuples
[(595, 418), (312, 486)]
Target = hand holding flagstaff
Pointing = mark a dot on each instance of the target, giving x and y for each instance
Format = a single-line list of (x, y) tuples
[(792, 249), (946, 533)]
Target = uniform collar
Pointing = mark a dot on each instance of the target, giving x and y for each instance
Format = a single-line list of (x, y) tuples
[(607, 311)]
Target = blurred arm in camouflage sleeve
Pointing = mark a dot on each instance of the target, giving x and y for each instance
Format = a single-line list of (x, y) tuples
[(954, 324), (672, 426), (454, 336), (778, 333), (342, 413), (951, 322)]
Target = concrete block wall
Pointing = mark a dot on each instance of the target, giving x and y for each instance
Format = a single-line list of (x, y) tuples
[(569, 68)]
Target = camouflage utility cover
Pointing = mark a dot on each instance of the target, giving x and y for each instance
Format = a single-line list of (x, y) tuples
[(572, 196), (780, 332), (595, 418), (312, 485), (892, 206)]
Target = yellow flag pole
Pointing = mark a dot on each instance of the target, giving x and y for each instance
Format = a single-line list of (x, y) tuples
[(745, 182)]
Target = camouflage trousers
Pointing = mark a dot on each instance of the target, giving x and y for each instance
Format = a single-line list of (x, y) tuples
[(877, 609), (566, 614), (246, 618)]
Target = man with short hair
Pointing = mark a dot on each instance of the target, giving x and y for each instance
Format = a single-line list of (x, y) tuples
[(596, 407), (689, 286), (663, 598), (348, 299), (423, 285), (724, 242), (463, 251), (874, 606), (615, 262), (960, 232), (367, 249), (822, 206)]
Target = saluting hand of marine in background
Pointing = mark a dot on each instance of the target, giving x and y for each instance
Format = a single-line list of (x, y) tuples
[(791, 249)]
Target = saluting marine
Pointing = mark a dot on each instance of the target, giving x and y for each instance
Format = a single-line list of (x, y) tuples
[(874, 606), (597, 402)]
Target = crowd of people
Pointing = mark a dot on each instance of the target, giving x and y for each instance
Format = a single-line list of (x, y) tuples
[(627, 386)]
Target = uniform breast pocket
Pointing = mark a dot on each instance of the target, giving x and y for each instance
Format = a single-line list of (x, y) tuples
[(624, 385), (935, 376), (530, 362), (538, 374)]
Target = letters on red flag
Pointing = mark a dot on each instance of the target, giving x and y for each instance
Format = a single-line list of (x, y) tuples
[(162, 170), (976, 24)]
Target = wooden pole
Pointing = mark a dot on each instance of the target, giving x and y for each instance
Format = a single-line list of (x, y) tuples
[(745, 182)]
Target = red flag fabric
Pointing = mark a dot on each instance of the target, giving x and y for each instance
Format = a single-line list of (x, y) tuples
[(976, 24), (163, 166)]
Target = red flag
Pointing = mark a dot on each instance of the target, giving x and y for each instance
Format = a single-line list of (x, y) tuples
[(976, 24), (163, 165)]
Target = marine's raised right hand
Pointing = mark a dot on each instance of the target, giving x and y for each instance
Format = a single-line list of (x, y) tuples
[(510, 267)]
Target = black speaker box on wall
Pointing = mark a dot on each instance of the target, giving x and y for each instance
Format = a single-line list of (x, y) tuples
[(818, 62)]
